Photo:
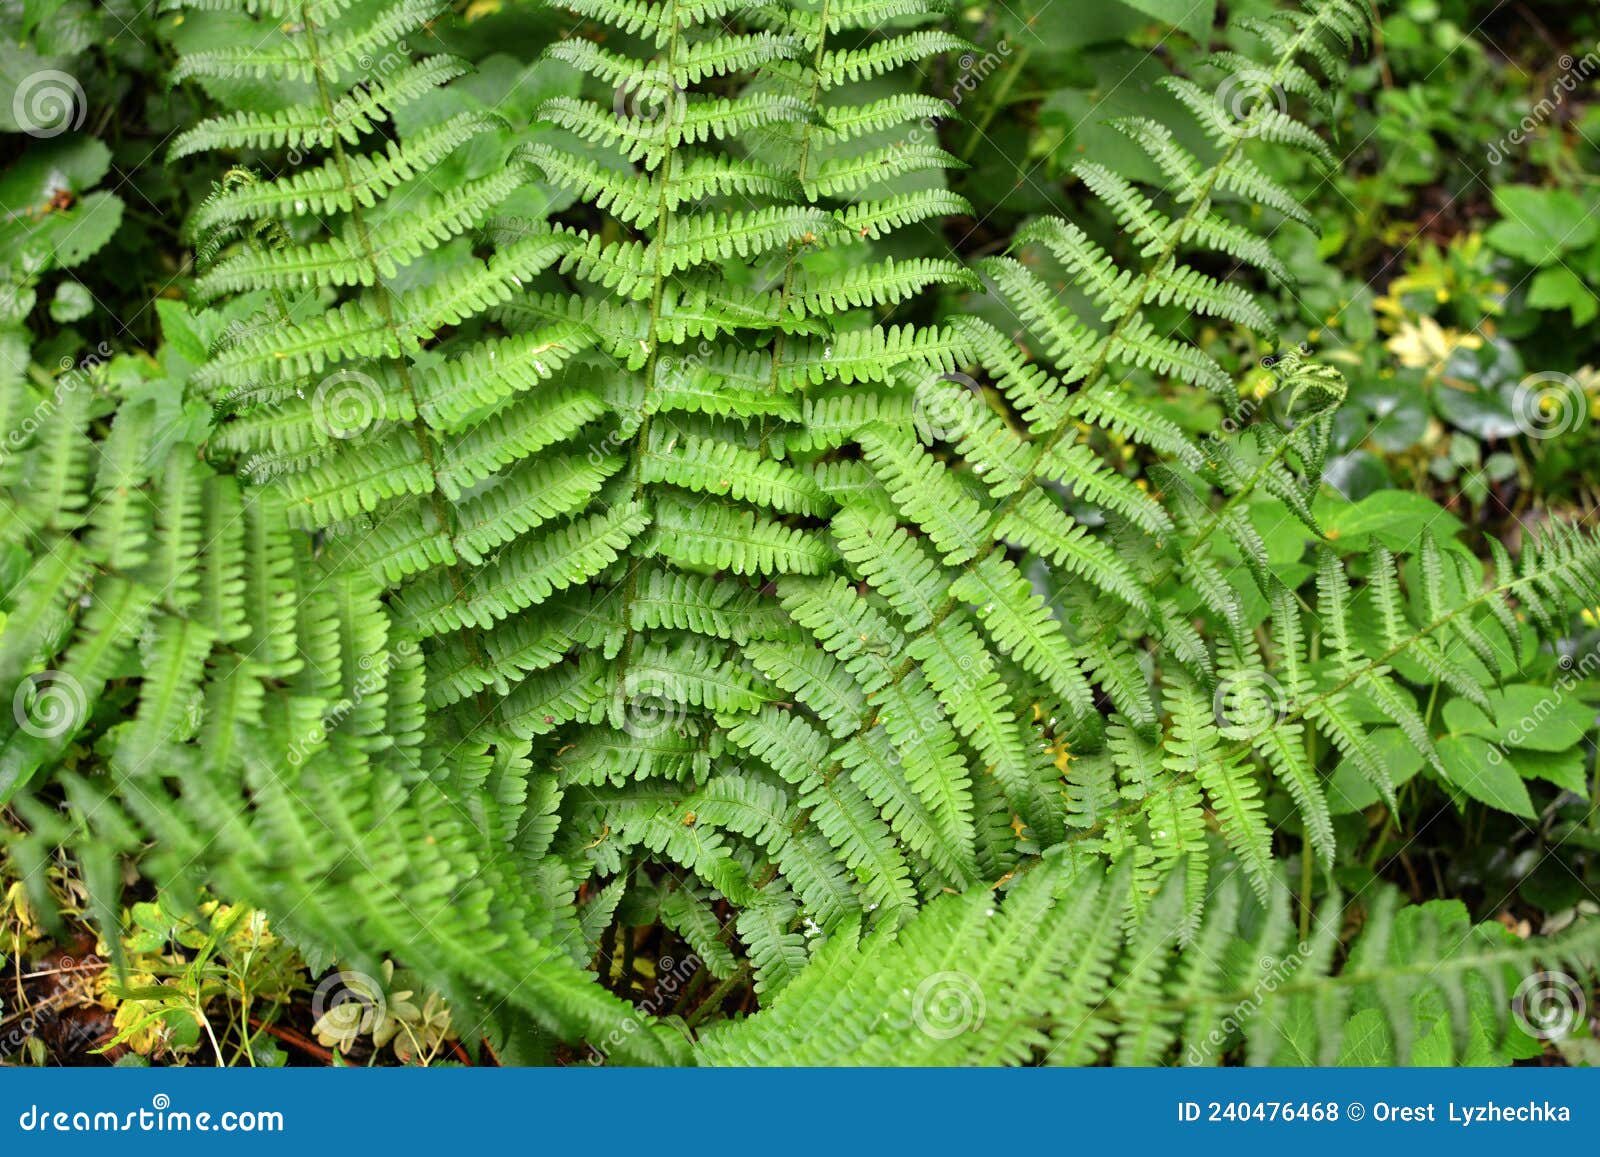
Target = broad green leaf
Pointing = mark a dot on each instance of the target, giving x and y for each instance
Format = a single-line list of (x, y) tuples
[(1565, 769), (1350, 791), (1193, 16), (1526, 716), (1539, 225), (1396, 518), (1487, 776), (1560, 288)]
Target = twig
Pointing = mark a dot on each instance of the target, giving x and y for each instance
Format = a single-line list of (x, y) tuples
[(718, 994), (290, 1036)]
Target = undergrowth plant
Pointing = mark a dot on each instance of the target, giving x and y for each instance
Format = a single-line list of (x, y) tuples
[(668, 562)]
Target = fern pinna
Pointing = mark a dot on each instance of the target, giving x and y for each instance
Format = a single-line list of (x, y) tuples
[(1054, 974), (580, 511), (480, 902), (1246, 681), (203, 699), (747, 330), (733, 600)]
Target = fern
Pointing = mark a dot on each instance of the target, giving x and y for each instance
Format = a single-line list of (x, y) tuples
[(730, 593), (498, 462), (215, 706), (981, 498), (1052, 974)]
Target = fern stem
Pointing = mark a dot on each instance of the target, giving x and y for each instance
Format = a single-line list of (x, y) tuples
[(1307, 863), (806, 139), (419, 426), (989, 542), (1307, 881), (641, 440), (1298, 713), (1214, 519), (1406, 644), (717, 995)]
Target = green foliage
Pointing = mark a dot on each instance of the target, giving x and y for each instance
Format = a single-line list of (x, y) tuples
[(558, 533), (165, 659), (1554, 231), (1054, 975)]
